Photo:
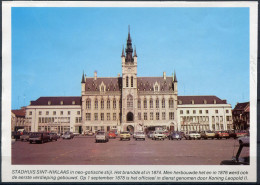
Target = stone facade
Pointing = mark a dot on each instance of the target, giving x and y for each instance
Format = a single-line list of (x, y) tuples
[(241, 116)]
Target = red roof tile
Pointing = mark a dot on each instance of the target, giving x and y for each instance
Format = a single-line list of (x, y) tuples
[(241, 106), (67, 100), (200, 100), (19, 113)]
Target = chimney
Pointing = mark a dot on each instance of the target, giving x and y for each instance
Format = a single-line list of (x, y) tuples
[(95, 75), (118, 75), (164, 75)]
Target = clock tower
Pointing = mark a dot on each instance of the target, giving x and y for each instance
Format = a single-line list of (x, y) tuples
[(129, 85)]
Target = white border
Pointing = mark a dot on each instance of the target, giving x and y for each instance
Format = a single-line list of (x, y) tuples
[(6, 82)]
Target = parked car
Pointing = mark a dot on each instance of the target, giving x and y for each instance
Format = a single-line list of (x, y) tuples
[(140, 135), (25, 136), (89, 133), (124, 135), (150, 134), (158, 135), (175, 135), (111, 134), (238, 133), (39, 137), (222, 134), (207, 134), (193, 135), (18, 133), (242, 157), (166, 133), (76, 134), (53, 136), (102, 137), (68, 135)]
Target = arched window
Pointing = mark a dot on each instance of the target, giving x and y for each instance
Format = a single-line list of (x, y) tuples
[(88, 104), (114, 103), (139, 104), (96, 104), (145, 103), (163, 103), (108, 104), (132, 81), (129, 101), (157, 103), (151, 103), (127, 81), (171, 103), (102, 104)]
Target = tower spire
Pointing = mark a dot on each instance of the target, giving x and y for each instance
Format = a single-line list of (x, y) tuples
[(123, 53), (83, 79), (129, 49), (175, 78), (135, 55)]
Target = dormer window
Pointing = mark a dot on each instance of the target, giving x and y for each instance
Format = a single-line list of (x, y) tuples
[(61, 102), (180, 102), (205, 101), (215, 101), (73, 102), (49, 102), (192, 101)]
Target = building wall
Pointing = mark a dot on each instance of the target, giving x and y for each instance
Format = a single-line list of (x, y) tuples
[(206, 117), (53, 118)]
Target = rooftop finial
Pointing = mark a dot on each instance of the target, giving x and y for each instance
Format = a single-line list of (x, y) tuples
[(175, 78), (123, 53), (128, 29), (135, 55), (83, 79)]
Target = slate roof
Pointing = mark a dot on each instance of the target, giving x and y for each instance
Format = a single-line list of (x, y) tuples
[(241, 106), (67, 100), (115, 84), (19, 113), (200, 100)]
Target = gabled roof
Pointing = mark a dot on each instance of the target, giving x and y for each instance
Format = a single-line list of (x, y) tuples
[(19, 113), (112, 84), (200, 100), (241, 106), (66, 100), (147, 83)]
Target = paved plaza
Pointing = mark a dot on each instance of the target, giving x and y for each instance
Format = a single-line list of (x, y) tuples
[(82, 150)]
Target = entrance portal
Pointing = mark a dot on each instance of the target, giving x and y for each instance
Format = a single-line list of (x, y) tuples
[(130, 116)]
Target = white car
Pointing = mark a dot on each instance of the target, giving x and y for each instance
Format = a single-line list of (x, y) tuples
[(193, 135), (158, 135), (139, 135)]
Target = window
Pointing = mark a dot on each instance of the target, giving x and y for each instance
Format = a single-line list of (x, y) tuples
[(145, 116), (145, 103), (156, 89), (132, 81), (139, 116), (171, 115), (88, 116), (207, 111), (170, 103), (227, 111), (200, 111), (47, 112), (73, 102), (151, 115), (102, 104), (108, 116), (78, 112), (181, 111), (102, 88), (114, 116), (61, 102), (61, 112), (88, 104), (194, 111), (127, 81), (68, 112), (216, 111), (139, 104), (96, 104), (40, 112), (102, 116), (96, 116), (54, 112), (163, 103), (30, 113), (108, 104), (129, 101), (39, 120), (157, 115), (114, 104), (163, 116), (157, 103), (187, 111), (151, 103), (49, 102)]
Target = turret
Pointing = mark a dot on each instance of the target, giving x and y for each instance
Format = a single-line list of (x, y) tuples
[(175, 82), (83, 83)]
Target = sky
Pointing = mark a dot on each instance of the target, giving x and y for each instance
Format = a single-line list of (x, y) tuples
[(208, 48)]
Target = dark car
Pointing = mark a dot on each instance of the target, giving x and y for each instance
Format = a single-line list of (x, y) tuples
[(39, 137), (175, 135), (237, 133), (242, 156), (53, 136)]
